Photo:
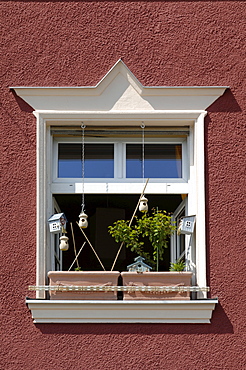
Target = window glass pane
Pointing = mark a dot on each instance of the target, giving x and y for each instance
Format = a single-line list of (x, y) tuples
[(99, 160), (160, 160)]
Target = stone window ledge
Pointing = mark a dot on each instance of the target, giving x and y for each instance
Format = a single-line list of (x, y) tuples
[(81, 311)]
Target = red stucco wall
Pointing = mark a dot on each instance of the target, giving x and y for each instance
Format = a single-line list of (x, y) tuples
[(59, 43)]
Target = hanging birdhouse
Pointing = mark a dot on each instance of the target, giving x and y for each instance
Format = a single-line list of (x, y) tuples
[(83, 223), (57, 223), (139, 266), (143, 205), (64, 243), (186, 225)]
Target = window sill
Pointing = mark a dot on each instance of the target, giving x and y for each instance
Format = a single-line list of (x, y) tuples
[(166, 311)]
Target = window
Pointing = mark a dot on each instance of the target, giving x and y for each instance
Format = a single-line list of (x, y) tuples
[(99, 160), (119, 100), (115, 161), (121, 158), (160, 160)]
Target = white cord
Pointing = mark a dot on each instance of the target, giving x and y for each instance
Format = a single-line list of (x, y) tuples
[(142, 127), (83, 167)]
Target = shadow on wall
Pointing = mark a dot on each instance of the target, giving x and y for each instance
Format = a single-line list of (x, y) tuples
[(226, 103), (24, 107), (220, 324)]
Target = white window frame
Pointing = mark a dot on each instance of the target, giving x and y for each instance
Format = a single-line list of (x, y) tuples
[(120, 159), (193, 187), (122, 184), (168, 312)]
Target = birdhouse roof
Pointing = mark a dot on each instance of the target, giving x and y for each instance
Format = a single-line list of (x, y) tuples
[(57, 217), (139, 260)]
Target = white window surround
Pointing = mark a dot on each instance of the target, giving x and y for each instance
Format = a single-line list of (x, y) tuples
[(120, 99)]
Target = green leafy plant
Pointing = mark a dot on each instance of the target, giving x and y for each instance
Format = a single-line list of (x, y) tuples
[(157, 227), (78, 269), (177, 266)]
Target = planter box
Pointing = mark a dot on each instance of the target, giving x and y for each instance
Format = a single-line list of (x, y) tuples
[(83, 278), (156, 279)]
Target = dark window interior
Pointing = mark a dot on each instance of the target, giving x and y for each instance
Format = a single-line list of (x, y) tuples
[(102, 211)]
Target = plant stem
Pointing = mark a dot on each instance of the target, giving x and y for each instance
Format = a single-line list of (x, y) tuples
[(117, 255), (157, 260)]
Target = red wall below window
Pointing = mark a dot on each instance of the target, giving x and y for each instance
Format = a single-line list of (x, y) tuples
[(55, 43)]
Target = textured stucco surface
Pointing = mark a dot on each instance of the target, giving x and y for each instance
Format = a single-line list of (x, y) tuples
[(55, 43)]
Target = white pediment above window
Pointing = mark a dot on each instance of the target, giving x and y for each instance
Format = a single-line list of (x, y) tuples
[(119, 91)]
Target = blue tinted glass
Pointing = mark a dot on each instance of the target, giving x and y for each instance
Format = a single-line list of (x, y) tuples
[(160, 161), (99, 160)]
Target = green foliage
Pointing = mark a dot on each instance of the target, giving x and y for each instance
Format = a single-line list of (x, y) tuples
[(177, 266), (157, 227), (78, 269)]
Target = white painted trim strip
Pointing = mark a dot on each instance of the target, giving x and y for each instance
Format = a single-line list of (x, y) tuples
[(151, 117), (129, 113), (188, 312)]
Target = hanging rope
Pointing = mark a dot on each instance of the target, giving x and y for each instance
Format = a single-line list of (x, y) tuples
[(83, 168), (142, 127)]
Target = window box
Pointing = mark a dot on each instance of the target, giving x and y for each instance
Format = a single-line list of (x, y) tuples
[(103, 285), (63, 279), (157, 279)]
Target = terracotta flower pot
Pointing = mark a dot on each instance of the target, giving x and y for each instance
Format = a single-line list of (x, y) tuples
[(83, 279), (156, 279)]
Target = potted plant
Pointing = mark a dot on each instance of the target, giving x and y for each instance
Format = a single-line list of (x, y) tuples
[(157, 228), (179, 265)]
